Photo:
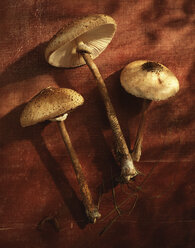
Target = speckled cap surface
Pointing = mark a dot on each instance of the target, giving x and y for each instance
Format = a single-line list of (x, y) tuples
[(95, 31), (50, 103), (149, 80)]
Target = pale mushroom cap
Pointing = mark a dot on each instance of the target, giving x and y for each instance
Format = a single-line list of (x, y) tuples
[(150, 80), (95, 31), (48, 104)]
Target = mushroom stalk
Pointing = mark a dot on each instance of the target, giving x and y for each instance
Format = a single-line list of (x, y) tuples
[(128, 169), (151, 81), (90, 208), (136, 154)]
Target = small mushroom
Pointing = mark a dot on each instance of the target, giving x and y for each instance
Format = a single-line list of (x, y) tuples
[(54, 104), (78, 44), (152, 82)]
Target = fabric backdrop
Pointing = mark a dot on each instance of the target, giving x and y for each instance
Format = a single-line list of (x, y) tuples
[(36, 174)]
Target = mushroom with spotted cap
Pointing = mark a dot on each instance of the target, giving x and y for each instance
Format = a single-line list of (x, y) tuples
[(54, 104), (151, 81), (79, 43)]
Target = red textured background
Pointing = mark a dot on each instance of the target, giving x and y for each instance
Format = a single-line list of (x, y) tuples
[(36, 175)]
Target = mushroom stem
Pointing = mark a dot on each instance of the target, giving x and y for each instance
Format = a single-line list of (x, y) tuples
[(128, 169), (90, 208), (136, 154)]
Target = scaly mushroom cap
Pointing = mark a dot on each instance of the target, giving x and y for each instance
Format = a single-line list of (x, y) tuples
[(48, 104), (149, 80), (94, 31)]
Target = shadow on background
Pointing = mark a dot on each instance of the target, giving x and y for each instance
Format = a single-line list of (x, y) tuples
[(16, 132), (27, 66), (158, 10)]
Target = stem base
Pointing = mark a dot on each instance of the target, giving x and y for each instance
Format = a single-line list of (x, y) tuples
[(93, 215)]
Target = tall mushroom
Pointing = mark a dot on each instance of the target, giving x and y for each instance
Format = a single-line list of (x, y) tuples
[(54, 104), (79, 43), (150, 81)]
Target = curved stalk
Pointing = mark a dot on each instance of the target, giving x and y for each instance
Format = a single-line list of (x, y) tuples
[(137, 149), (91, 210), (128, 169)]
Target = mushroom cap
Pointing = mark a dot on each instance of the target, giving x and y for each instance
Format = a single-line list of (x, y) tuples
[(95, 31), (48, 104), (149, 80)]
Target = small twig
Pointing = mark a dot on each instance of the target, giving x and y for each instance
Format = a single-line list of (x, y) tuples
[(113, 210), (114, 199), (146, 177), (131, 209), (109, 225), (135, 188), (139, 188), (100, 198), (113, 194), (50, 219)]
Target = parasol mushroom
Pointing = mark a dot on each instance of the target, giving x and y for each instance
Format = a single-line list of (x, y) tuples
[(152, 82), (54, 104), (79, 43)]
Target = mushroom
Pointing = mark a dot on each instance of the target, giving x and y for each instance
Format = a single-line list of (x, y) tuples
[(54, 104), (151, 81), (79, 43)]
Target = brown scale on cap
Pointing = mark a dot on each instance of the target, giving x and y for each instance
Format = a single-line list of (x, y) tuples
[(48, 104), (149, 80), (152, 66)]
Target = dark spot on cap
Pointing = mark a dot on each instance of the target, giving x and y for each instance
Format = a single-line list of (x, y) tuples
[(152, 67)]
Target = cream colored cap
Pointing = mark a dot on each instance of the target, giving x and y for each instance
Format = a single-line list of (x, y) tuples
[(95, 31), (150, 80), (50, 103)]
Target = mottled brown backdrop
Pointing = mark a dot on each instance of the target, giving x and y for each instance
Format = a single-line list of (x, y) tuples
[(36, 175)]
